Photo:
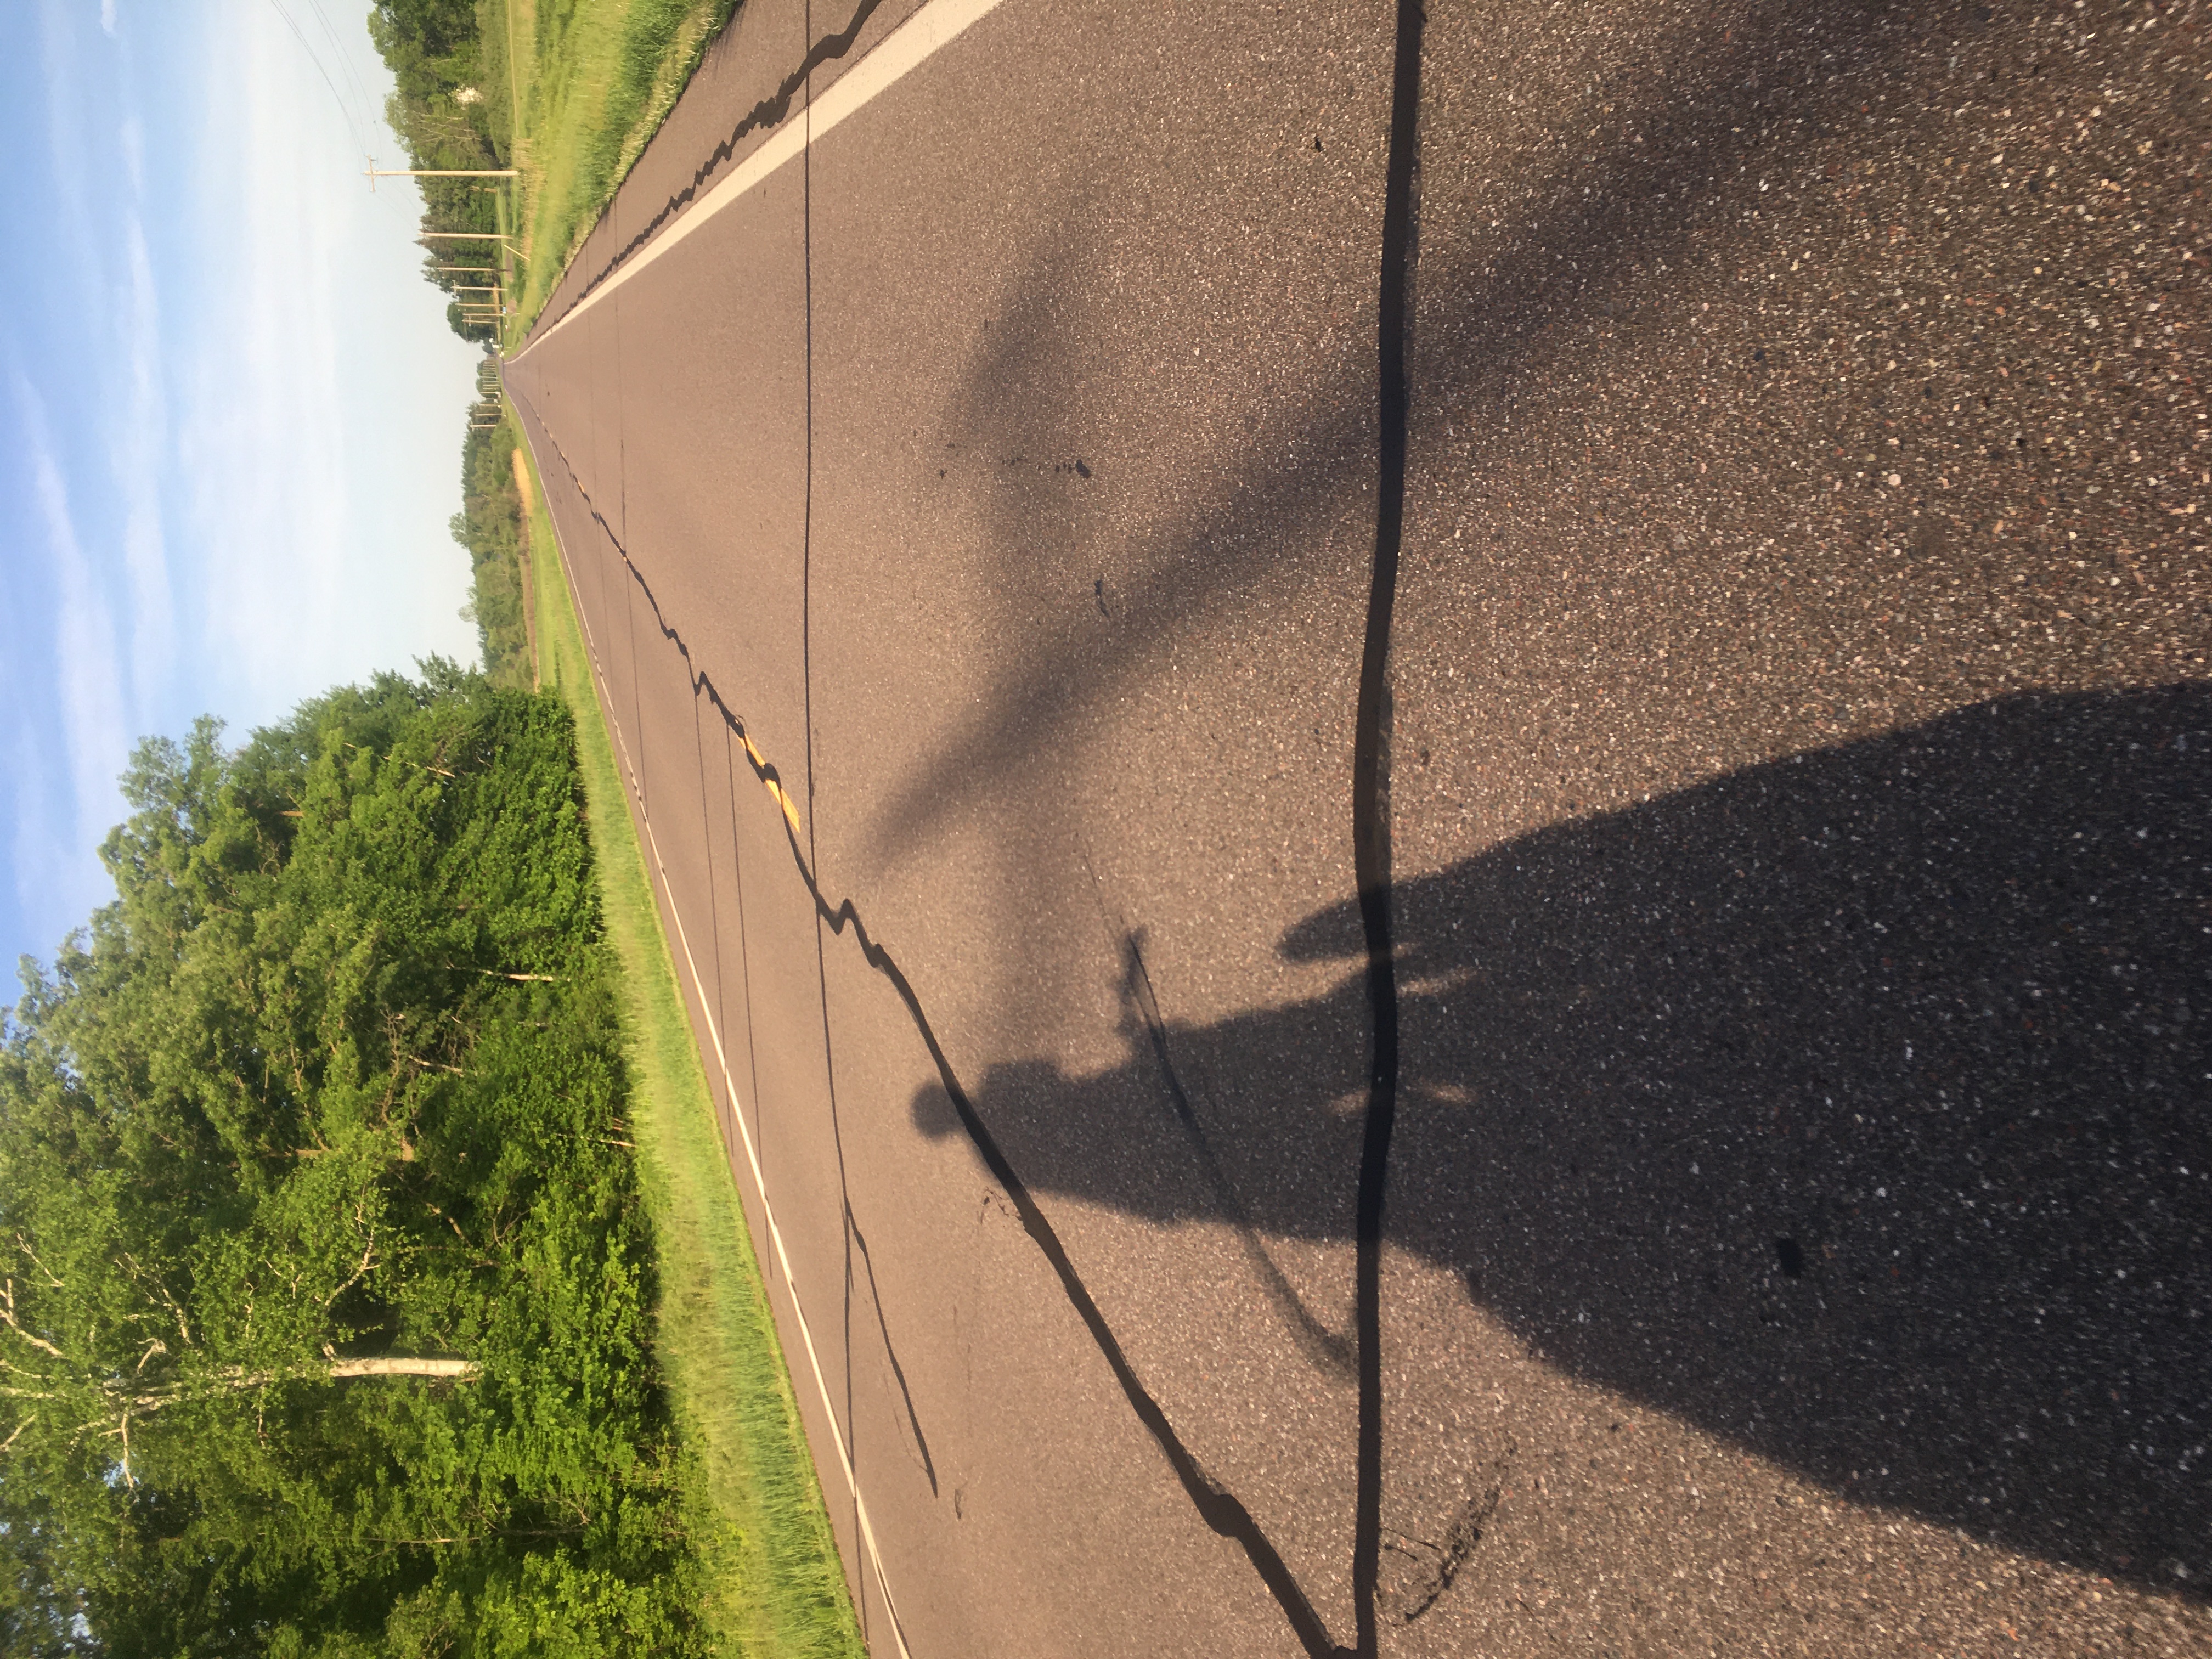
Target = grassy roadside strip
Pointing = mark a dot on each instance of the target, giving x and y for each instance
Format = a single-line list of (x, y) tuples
[(586, 87), (752, 1502)]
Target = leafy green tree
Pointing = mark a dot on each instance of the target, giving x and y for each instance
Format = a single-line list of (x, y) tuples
[(472, 328), (322, 1307), (440, 114), (490, 524)]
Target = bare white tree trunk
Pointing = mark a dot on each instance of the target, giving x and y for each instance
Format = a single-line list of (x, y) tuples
[(401, 1365)]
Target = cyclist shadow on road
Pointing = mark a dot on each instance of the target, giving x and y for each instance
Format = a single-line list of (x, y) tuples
[(1853, 1107)]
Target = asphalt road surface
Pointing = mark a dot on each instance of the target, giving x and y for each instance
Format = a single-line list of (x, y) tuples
[(1493, 930)]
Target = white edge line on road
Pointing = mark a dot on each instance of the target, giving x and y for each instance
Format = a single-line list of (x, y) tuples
[(729, 1085), (905, 48)]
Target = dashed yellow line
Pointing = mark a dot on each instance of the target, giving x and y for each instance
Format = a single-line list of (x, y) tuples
[(782, 796)]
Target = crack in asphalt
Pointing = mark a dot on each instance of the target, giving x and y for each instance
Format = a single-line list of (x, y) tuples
[(1220, 1508), (1371, 807), (1434, 1564), (770, 112), (1371, 800), (890, 1350), (1324, 1349)]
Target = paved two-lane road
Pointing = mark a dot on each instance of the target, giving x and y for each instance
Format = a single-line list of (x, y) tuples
[(1799, 749)]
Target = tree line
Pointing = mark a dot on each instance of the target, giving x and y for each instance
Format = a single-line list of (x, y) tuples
[(446, 109), (489, 525), (442, 110), (324, 1278)]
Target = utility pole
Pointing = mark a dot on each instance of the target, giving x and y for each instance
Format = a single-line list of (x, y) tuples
[(470, 236), (468, 271), (375, 173)]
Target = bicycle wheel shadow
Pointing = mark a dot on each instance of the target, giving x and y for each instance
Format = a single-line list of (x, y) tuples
[(1853, 1107)]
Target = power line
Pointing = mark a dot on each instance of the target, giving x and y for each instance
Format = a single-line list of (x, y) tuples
[(353, 127), (346, 112), (345, 55)]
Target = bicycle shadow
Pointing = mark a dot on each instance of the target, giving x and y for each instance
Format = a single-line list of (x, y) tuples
[(1853, 1107)]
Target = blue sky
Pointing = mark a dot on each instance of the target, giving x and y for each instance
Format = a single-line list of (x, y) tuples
[(230, 408)]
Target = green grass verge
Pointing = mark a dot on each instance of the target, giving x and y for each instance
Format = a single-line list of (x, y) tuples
[(586, 84), (752, 1502)]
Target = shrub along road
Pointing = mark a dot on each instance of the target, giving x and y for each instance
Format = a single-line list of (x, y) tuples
[(1784, 790)]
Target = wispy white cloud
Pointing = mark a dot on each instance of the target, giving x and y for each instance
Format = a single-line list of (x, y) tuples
[(140, 441), (308, 464), (121, 314), (88, 669), (243, 411), (263, 434), (65, 138), (130, 139), (39, 849)]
